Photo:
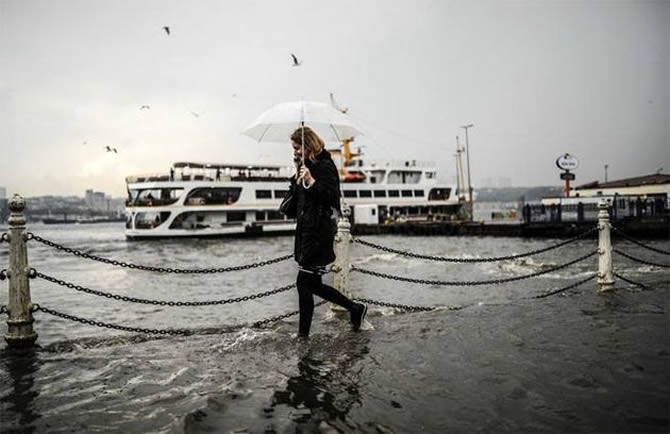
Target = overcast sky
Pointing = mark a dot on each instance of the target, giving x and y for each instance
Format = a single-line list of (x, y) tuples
[(537, 78)]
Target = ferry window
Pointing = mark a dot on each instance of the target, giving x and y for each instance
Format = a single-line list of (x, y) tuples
[(263, 194), (378, 175), (213, 196), (439, 193), (430, 175), (418, 193), (275, 215), (150, 220), (349, 193), (404, 177), (380, 193), (156, 196), (260, 216), (364, 193), (394, 193), (406, 193), (280, 194), (236, 216)]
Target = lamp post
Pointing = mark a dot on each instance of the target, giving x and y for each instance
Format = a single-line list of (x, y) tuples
[(467, 154), (606, 166)]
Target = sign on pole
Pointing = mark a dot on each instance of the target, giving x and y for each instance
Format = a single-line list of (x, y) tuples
[(567, 162)]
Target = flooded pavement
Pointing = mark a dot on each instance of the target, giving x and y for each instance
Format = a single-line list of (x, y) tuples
[(579, 363), (574, 362)]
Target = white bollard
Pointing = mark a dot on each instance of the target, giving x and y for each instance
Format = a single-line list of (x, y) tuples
[(341, 267), (605, 268), (20, 323)]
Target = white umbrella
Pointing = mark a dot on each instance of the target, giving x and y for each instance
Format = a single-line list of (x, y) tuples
[(280, 121)]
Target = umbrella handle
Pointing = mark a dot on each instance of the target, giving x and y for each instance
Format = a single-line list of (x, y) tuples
[(302, 140)]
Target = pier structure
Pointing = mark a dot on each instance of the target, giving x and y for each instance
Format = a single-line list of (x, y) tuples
[(20, 308)]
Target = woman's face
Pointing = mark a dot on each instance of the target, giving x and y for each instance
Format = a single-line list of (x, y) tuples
[(297, 151)]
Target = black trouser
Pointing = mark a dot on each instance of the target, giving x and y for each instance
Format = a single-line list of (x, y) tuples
[(309, 284)]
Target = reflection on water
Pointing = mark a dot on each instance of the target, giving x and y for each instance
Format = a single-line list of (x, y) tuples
[(325, 388), (19, 368), (313, 390), (579, 361)]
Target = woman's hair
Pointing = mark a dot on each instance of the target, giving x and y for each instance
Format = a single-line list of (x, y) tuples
[(313, 143)]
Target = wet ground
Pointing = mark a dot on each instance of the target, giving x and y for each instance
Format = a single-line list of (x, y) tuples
[(574, 362)]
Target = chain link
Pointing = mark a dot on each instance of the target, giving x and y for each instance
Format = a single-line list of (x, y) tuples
[(634, 241), (468, 260), (3, 274), (157, 269), (631, 281), (641, 261), (183, 332), (163, 302), (474, 282), (565, 288), (260, 323), (405, 306), (3, 309), (4, 237)]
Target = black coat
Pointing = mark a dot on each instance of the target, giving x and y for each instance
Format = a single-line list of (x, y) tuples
[(315, 209)]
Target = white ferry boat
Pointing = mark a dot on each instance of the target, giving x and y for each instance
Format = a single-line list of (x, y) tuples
[(206, 200)]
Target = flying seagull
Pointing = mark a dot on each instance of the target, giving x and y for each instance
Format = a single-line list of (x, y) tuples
[(336, 106), (167, 29), (296, 62), (144, 107), (197, 115), (109, 149)]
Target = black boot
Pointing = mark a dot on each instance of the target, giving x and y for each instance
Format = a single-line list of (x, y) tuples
[(358, 315)]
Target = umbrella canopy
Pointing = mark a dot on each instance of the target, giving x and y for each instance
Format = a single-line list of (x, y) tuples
[(280, 121)]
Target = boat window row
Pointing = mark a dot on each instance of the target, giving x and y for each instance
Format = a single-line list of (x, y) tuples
[(153, 196), (269, 194), (433, 194), (213, 196)]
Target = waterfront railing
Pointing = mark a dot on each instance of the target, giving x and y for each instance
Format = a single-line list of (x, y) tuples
[(20, 308)]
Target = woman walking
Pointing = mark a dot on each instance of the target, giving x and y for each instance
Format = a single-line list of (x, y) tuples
[(314, 195)]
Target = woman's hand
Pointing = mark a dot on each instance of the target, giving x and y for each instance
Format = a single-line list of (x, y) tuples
[(306, 176)]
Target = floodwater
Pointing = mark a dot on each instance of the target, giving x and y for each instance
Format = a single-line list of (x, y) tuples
[(577, 361)]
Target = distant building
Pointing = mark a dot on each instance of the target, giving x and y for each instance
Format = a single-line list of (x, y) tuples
[(638, 197), (656, 185), (97, 200)]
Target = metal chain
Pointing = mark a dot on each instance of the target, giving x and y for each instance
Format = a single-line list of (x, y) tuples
[(633, 240), (406, 306), (156, 269), (467, 260), (163, 302), (4, 237), (471, 283), (184, 332), (3, 274), (631, 281), (260, 323), (572, 285), (641, 261), (3, 309)]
